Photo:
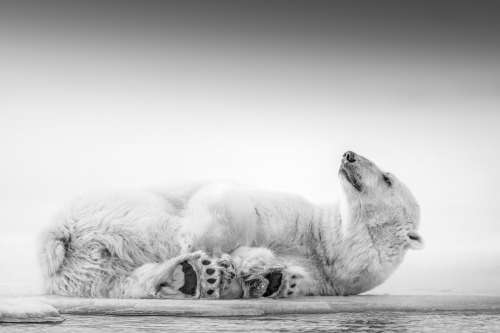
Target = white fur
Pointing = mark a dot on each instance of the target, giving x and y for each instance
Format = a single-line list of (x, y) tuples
[(98, 244)]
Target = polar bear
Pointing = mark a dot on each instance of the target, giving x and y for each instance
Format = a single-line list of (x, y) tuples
[(226, 241)]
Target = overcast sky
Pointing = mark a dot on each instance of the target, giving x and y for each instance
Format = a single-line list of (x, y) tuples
[(270, 95)]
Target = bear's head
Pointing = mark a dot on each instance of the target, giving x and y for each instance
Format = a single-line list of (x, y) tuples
[(382, 202)]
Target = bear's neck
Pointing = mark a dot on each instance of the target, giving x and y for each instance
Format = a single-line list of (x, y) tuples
[(350, 260)]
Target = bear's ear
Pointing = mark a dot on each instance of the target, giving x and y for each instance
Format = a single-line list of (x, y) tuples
[(415, 240)]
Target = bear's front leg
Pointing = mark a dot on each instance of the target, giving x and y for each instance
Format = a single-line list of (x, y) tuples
[(263, 274)]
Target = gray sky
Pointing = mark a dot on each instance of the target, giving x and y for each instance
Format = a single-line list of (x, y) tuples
[(127, 98)]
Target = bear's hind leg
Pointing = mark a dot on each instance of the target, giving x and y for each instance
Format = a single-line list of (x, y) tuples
[(192, 275)]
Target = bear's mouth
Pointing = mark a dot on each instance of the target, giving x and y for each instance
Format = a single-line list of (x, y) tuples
[(351, 178)]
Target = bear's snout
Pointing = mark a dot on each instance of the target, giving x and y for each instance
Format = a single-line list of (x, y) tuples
[(349, 156)]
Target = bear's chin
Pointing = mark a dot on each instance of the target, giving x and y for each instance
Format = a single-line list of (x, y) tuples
[(350, 180)]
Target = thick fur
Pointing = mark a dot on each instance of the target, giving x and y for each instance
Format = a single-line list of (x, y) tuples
[(96, 245)]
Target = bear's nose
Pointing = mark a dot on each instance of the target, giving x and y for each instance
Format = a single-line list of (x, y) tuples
[(350, 156)]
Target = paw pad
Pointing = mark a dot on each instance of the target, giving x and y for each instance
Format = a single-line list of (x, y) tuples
[(216, 274), (291, 282)]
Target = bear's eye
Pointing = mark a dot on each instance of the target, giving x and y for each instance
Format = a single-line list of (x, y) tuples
[(387, 180)]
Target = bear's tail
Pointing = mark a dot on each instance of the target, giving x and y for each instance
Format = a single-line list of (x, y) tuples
[(55, 243)]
